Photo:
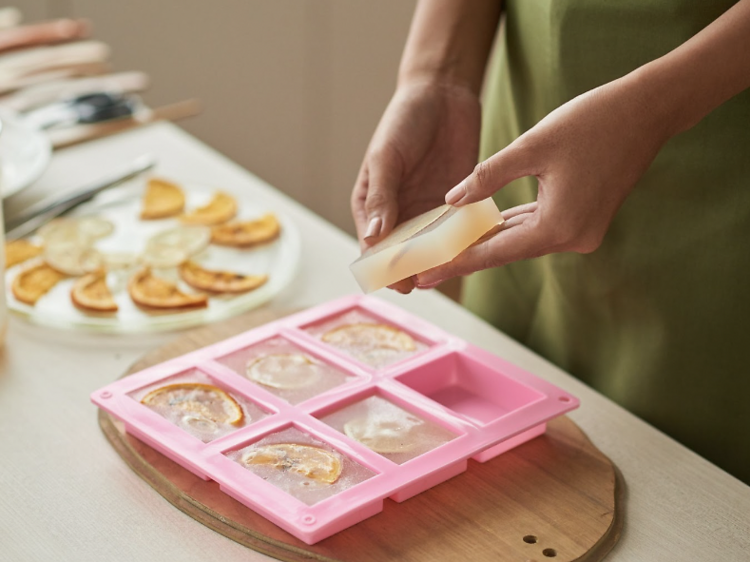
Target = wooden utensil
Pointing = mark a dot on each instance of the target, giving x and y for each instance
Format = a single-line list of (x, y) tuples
[(43, 33)]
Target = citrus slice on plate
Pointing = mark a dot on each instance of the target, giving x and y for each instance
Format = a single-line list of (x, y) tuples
[(76, 229), (283, 371), (196, 401), (219, 281), (384, 435), (308, 461), (150, 291), (72, 257), (91, 293), (162, 199), (18, 251), (118, 260), (220, 209), (159, 256), (190, 239), (244, 234), (33, 282), (94, 227), (370, 336)]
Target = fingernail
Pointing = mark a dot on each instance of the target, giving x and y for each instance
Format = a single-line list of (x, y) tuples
[(373, 229), (456, 194)]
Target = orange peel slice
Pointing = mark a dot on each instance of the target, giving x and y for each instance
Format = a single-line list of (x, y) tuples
[(19, 251), (149, 291), (219, 281), (199, 401), (90, 293), (283, 370), (34, 282), (162, 199), (244, 234), (308, 461), (370, 336), (220, 209)]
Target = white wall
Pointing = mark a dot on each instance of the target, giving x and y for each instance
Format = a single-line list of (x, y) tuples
[(292, 89)]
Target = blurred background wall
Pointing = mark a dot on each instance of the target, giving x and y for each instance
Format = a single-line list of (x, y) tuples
[(292, 89)]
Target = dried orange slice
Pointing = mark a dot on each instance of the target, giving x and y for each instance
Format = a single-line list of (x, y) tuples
[(91, 293), (370, 336), (220, 209), (198, 401), (153, 292), (72, 258), (33, 282), (312, 462), (384, 435), (219, 281), (94, 227), (283, 371), (163, 256), (18, 251), (191, 239), (76, 229), (162, 199), (247, 233)]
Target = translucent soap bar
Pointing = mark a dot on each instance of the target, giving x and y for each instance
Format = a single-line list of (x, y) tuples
[(424, 242)]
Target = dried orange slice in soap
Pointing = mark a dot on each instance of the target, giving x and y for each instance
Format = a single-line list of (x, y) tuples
[(91, 293), (162, 199), (370, 336), (154, 292), (283, 371), (33, 282), (18, 251), (312, 462), (199, 401), (244, 234), (220, 209), (219, 281)]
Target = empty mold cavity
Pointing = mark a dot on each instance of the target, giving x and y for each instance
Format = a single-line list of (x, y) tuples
[(301, 465), (470, 388), (390, 430), (195, 403), (284, 369), (367, 338)]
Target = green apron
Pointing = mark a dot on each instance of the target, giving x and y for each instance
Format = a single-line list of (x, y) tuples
[(658, 318)]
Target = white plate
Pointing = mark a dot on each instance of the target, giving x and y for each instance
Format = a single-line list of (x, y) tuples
[(121, 205), (24, 154)]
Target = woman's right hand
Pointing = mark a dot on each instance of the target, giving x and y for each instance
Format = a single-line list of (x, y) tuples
[(427, 142)]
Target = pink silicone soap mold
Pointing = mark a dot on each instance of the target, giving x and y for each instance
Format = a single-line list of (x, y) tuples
[(327, 428)]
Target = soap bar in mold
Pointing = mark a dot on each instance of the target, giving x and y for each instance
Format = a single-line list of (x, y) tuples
[(424, 242)]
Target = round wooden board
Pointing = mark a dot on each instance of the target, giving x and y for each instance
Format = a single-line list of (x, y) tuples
[(556, 497)]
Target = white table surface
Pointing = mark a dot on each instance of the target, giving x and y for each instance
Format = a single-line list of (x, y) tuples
[(66, 495)]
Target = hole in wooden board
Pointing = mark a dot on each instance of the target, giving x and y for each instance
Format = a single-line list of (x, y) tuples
[(549, 552), (529, 539)]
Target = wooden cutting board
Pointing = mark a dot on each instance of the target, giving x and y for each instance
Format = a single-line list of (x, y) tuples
[(557, 497)]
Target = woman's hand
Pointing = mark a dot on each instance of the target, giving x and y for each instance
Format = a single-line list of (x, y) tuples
[(426, 142), (587, 155)]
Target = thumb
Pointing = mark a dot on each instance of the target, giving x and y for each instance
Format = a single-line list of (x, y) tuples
[(525, 241), (491, 175)]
